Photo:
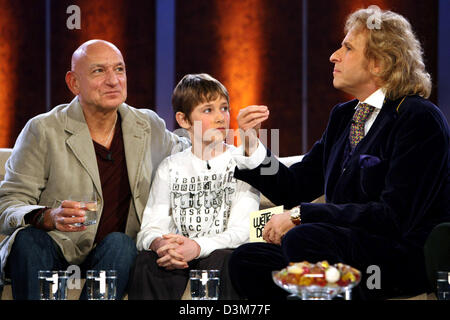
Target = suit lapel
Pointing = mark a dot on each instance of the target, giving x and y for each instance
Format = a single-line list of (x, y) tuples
[(80, 142), (337, 151), (135, 134), (387, 114)]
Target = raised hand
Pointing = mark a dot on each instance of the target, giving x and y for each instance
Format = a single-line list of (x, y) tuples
[(249, 120)]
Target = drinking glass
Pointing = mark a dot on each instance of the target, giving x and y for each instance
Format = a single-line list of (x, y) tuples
[(204, 284), (88, 202), (101, 284), (48, 284), (443, 285), (63, 277)]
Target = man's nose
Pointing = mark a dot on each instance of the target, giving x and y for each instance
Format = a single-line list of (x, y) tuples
[(111, 78), (334, 57)]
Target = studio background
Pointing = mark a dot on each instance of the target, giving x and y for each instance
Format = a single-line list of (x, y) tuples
[(271, 52)]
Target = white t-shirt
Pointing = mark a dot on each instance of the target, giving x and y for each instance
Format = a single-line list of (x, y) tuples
[(200, 200)]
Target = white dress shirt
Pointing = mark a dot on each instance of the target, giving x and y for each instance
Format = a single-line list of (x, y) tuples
[(376, 100)]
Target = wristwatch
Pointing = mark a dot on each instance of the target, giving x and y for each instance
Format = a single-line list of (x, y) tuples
[(295, 215)]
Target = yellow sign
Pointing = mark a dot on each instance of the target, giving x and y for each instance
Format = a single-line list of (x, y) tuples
[(258, 220)]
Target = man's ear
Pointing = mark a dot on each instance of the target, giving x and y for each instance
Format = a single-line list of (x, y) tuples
[(72, 82), (376, 67), (183, 120)]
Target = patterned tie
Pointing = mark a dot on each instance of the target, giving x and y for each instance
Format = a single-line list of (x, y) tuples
[(359, 119)]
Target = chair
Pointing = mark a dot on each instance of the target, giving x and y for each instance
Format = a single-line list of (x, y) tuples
[(437, 252), (4, 155)]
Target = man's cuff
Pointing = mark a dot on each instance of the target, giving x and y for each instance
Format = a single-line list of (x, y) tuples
[(35, 217), (251, 162)]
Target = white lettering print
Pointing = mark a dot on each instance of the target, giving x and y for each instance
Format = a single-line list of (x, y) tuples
[(201, 205)]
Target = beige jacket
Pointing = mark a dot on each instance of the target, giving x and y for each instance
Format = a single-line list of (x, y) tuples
[(54, 158)]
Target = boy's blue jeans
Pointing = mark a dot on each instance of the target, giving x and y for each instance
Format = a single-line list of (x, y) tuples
[(33, 250)]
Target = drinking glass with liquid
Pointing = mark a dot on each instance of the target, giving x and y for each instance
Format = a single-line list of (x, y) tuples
[(53, 285), (204, 284), (48, 285), (63, 278), (443, 285), (101, 284), (88, 202)]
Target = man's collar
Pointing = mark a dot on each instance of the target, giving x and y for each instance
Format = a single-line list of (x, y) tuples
[(376, 99)]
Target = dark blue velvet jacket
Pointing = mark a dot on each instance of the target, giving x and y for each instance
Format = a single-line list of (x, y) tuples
[(395, 184)]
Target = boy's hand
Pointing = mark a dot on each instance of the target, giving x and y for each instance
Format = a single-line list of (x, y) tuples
[(165, 243), (249, 120), (189, 249), (165, 249), (177, 252), (172, 260)]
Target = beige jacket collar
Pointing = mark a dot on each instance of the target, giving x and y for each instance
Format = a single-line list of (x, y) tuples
[(135, 131)]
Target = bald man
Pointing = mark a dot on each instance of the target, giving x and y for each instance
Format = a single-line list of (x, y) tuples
[(95, 144)]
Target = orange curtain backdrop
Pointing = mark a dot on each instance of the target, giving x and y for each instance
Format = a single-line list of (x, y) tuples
[(8, 76), (359, 4), (222, 37), (240, 44), (130, 25), (103, 20), (100, 19)]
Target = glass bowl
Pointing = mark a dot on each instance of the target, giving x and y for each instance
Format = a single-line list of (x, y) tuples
[(324, 291)]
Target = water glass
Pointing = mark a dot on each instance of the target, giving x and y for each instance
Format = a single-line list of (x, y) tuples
[(204, 284), (48, 285), (88, 203), (443, 285), (101, 284), (63, 277)]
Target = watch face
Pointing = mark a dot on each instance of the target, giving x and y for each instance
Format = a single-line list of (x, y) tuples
[(295, 213)]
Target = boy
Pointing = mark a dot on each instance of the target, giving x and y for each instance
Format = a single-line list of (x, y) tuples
[(197, 210)]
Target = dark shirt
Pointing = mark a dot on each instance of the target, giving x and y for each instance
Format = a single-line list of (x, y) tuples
[(116, 190)]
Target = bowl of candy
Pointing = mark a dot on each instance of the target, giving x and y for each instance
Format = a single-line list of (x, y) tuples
[(318, 281)]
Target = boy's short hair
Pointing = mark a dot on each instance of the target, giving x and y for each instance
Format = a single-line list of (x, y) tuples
[(195, 89)]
